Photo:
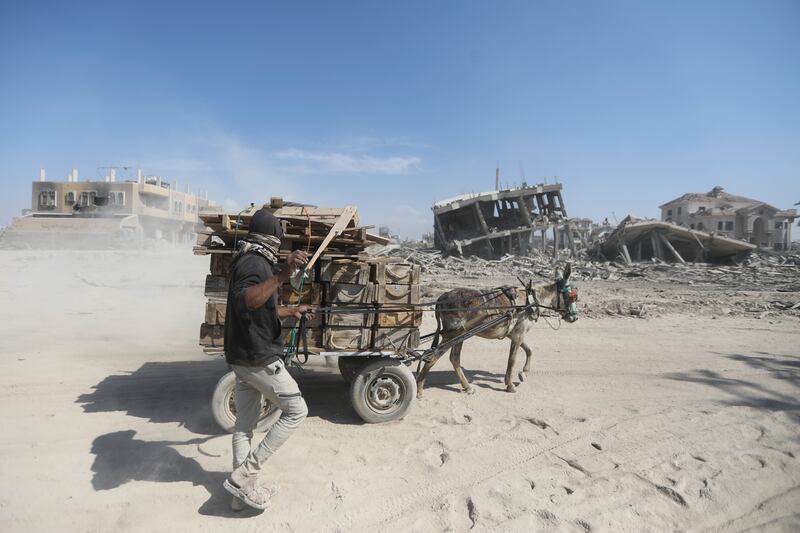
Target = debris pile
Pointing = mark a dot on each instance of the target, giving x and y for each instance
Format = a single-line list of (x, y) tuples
[(760, 285), (369, 299)]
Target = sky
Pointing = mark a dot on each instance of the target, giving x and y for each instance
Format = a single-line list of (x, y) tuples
[(390, 106)]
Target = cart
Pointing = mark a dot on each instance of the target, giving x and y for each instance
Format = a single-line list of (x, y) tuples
[(382, 385)]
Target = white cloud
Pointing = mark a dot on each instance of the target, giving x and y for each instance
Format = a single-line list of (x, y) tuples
[(307, 162)]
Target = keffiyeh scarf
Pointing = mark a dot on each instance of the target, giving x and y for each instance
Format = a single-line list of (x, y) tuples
[(265, 245)]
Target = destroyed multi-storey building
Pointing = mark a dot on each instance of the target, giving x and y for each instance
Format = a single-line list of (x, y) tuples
[(732, 216), (495, 223)]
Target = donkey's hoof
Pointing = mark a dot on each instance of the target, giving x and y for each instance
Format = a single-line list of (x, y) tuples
[(511, 388), (522, 376), (469, 390), (419, 395)]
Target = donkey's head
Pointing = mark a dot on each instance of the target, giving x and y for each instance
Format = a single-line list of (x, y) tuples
[(566, 295)]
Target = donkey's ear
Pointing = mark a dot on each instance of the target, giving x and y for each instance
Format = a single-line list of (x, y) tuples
[(567, 271)]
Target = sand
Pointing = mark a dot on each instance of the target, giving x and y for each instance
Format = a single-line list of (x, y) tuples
[(684, 421)]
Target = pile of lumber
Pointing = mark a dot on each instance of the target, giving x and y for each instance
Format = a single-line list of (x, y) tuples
[(368, 302)]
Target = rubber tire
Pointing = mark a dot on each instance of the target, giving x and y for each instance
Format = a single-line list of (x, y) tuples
[(225, 416), (383, 366), (350, 365)]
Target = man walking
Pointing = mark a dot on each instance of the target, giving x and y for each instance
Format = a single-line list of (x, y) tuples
[(254, 350)]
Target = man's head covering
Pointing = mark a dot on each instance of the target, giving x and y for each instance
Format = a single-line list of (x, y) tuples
[(265, 223)]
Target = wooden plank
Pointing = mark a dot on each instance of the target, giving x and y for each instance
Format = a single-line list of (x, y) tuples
[(341, 223)]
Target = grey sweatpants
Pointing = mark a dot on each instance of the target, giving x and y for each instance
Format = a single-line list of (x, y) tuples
[(275, 383)]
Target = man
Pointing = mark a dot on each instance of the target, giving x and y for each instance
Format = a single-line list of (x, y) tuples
[(254, 350)]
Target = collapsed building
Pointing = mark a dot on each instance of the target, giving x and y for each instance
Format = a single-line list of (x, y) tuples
[(105, 212), (635, 240), (493, 224)]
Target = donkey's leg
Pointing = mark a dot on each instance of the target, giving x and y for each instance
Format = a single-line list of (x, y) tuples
[(455, 358), (512, 357), (424, 372), (527, 368)]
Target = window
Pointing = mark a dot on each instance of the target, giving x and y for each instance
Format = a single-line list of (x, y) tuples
[(701, 209), (720, 225), (679, 211), (729, 225), (87, 198), (691, 226), (120, 198), (71, 197), (47, 199), (112, 198), (778, 225), (669, 212)]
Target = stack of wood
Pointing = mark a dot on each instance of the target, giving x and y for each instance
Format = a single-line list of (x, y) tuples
[(371, 298)]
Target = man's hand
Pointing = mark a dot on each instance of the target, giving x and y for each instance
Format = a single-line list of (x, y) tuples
[(301, 310), (296, 259)]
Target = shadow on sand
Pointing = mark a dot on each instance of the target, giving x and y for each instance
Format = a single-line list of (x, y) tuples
[(785, 368)]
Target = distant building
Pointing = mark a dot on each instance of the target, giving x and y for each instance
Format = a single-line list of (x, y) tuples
[(733, 216), (146, 206)]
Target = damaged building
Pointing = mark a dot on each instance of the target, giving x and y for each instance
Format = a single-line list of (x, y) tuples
[(732, 216), (635, 240), (495, 223), (105, 212)]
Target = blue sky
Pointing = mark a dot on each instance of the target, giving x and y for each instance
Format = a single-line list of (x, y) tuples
[(392, 105)]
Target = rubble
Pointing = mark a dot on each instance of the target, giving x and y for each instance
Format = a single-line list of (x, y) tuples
[(635, 240), (762, 284)]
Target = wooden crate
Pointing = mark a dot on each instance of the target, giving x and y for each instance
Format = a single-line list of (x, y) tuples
[(316, 322), (221, 264), (344, 271), (216, 287), (212, 335), (399, 316), (342, 316), (314, 338), (347, 339), (349, 293), (395, 273), (215, 312), (395, 338), (396, 294), (311, 294)]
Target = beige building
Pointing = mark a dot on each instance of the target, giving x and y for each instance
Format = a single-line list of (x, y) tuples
[(142, 207), (733, 216)]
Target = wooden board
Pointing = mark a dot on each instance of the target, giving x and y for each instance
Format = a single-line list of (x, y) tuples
[(212, 335), (396, 338), (341, 316), (342, 271), (349, 293), (396, 294), (347, 339), (396, 273), (311, 294), (215, 312), (216, 287), (398, 316)]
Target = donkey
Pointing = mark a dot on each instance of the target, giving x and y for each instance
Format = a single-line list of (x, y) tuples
[(460, 310)]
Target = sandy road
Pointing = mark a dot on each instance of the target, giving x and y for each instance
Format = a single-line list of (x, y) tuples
[(673, 423)]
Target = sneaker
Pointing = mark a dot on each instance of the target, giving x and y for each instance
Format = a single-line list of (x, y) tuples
[(249, 492), (237, 504)]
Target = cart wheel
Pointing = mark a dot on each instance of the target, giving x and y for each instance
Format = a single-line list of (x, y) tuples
[(383, 390), (349, 366), (223, 406)]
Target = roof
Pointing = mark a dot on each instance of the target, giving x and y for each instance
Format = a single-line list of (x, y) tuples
[(717, 193)]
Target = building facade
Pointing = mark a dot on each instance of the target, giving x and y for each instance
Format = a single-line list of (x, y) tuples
[(148, 206), (732, 216)]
